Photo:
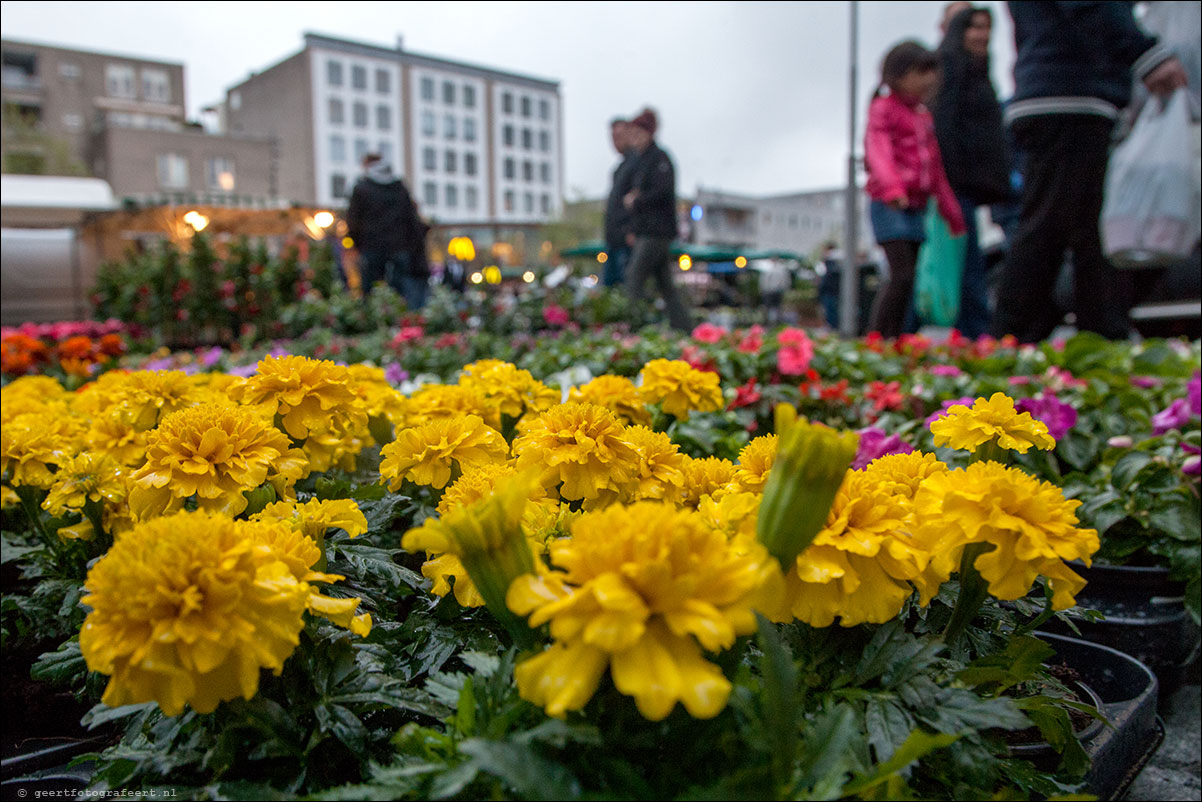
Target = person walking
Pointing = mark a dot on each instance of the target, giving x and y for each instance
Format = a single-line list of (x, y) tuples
[(617, 216), (383, 223), (652, 203), (1072, 75), (972, 142), (904, 171)]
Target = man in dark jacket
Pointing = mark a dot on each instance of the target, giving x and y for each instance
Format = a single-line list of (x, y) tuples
[(617, 216), (382, 221), (652, 202), (1072, 76)]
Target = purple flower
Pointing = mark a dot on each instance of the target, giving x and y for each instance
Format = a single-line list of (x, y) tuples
[(1058, 416), (1192, 466), (875, 443), (243, 370), (166, 363), (966, 401), (395, 374), (1176, 416), (1146, 382), (212, 356), (1194, 393)]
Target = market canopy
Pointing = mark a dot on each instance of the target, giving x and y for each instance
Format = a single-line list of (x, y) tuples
[(698, 253)]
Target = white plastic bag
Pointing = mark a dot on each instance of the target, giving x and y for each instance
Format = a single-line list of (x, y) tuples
[(1153, 199)]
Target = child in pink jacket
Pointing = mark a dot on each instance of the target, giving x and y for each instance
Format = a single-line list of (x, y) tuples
[(904, 171)]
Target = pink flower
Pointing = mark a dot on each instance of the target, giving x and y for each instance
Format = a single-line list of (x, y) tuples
[(945, 370), (752, 341), (1121, 441), (1015, 381), (966, 401), (555, 315), (796, 352), (1058, 416), (1145, 382), (709, 333), (875, 443), (1194, 393), (407, 334), (1176, 416)]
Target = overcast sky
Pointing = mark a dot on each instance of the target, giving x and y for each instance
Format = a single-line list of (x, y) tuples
[(752, 96)]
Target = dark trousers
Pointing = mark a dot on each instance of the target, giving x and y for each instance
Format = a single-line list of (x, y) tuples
[(894, 302), (614, 272), (1062, 200), (650, 259), (395, 269), (973, 320)]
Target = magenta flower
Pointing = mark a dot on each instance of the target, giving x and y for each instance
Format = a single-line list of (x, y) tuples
[(875, 443), (395, 374), (795, 353), (1176, 416), (934, 416), (1145, 382), (945, 370), (1194, 393), (708, 333), (1058, 416), (555, 315)]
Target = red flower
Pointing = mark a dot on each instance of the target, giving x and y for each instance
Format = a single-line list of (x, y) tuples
[(555, 315), (885, 396), (745, 395), (447, 340), (406, 334), (873, 341), (708, 333), (112, 345), (834, 392), (698, 359), (811, 378)]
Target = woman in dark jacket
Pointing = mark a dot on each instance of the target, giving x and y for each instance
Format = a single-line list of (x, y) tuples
[(968, 126)]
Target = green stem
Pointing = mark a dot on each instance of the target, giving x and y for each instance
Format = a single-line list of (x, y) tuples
[(94, 513), (991, 452), (1043, 616), (34, 513), (973, 591)]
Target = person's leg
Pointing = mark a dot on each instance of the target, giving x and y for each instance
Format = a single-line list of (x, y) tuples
[(973, 320), (371, 269), (416, 290), (678, 312), (614, 272), (891, 302), (1024, 305), (639, 268)]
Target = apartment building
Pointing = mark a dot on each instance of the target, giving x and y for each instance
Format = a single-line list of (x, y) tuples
[(800, 222), (123, 119), (477, 146)]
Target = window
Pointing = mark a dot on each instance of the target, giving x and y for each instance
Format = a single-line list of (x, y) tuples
[(428, 123), (469, 164), (544, 172), (544, 141), (471, 198), (429, 159), (427, 85), (383, 81), (119, 80), (792, 221), (507, 135), (173, 171), (527, 139), (219, 174), (334, 73), (156, 86), (337, 149), (451, 194), (528, 202), (544, 110), (525, 106), (430, 193), (448, 94), (510, 200), (384, 118), (527, 170), (359, 112), (451, 161), (469, 96), (335, 111), (469, 129), (69, 71), (72, 121), (544, 203), (338, 185), (450, 129), (361, 148), (235, 100), (385, 151), (507, 102), (510, 169), (358, 76)]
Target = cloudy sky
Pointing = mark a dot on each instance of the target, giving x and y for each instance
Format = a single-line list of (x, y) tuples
[(752, 96)]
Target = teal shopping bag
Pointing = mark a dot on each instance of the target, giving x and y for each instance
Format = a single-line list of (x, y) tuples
[(940, 269)]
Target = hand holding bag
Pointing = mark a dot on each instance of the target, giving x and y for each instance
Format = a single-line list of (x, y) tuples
[(939, 272)]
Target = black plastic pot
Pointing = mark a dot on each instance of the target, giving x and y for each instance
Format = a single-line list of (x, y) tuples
[(1145, 618), (1128, 692)]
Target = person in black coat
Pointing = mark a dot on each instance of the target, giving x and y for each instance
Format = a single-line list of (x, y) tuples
[(652, 203), (972, 140), (382, 221), (617, 216)]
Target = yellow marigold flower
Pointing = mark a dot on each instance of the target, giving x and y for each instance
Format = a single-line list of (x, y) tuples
[(996, 421), (659, 473), (507, 390), (143, 398), (708, 476), (86, 477), (1032, 527), (187, 609), (308, 394), (642, 590), (111, 433), (680, 388), (475, 483), (617, 394), (581, 445), (427, 454), (8, 497), (733, 514), (859, 566), (314, 517), (380, 399), (41, 394), (433, 401), (32, 444), (755, 461), (214, 452), (903, 474)]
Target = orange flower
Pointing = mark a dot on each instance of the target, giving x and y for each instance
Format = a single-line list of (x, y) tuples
[(76, 348)]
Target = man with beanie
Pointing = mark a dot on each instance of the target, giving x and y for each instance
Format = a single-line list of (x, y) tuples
[(1072, 76), (382, 221), (652, 202), (617, 216)]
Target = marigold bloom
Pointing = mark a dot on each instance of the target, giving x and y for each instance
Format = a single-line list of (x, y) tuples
[(86, 477), (642, 590), (20, 353), (308, 394), (433, 401), (679, 388), (507, 390), (755, 461), (32, 444), (617, 394), (144, 398), (658, 472), (187, 609), (705, 477), (995, 420), (41, 394), (314, 517), (214, 452), (379, 398), (427, 454), (733, 514), (1032, 527), (581, 445)]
